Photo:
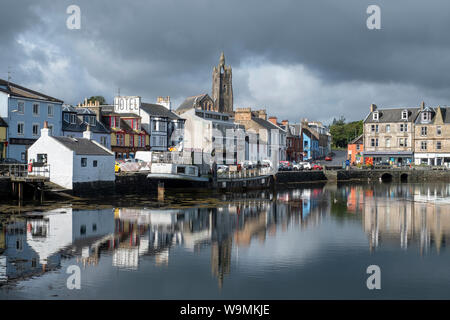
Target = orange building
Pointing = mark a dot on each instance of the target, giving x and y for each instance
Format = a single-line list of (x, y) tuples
[(354, 150)]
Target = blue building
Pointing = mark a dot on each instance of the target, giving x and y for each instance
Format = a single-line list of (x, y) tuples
[(25, 111), (76, 120), (311, 148)]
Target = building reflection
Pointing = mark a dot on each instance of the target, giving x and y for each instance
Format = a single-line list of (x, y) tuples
[(36, 244), (406, 215)]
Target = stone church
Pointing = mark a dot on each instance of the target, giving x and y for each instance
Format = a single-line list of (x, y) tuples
[(222, 93), (222, 88)]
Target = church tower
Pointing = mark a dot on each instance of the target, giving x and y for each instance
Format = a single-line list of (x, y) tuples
[(222, 88)]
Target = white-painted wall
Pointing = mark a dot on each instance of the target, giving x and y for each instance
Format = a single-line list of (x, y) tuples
[(4, 105), (59, 158), (103, 172)]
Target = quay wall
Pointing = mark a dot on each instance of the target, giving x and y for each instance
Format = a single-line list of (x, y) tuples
[(5, 188)]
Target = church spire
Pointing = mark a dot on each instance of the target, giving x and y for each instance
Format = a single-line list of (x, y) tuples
[(222, 60)]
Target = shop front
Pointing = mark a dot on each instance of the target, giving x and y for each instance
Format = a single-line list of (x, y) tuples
[(396, 158)]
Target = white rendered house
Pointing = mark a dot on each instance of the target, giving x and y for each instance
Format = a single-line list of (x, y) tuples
[(73, 161)]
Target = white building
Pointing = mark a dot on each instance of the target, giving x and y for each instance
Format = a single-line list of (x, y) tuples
[(213, 134), (73, 161)]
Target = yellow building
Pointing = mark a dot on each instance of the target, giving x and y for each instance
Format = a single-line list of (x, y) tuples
[(3, 138)]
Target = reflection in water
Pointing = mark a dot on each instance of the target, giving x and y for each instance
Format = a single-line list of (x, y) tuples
[(391, 215)]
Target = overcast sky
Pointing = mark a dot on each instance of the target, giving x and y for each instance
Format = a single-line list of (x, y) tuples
[(314, 59)]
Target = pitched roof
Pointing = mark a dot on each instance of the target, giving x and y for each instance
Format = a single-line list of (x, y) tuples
[(159, 110), (265, 123), (357, 140), (445, 111), (393, 115), (3, 123), (190, 102), (19, 91), (82, 146)]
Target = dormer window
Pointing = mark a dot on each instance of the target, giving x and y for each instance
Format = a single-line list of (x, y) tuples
[(73, 118), (92, 121), (404, 115), (426, 116), (67, 117), (376, 115)]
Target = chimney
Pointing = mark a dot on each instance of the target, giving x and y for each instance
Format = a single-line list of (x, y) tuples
[(164, 102), (98, 113), (422, 105), (45, 131), (243, 114), (262, 114), (285, 122), (88, 133), (373, 107), (274, 120)]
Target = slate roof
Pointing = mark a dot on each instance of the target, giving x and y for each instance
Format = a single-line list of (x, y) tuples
[(265, 123), (159, 110), (19, 91), (445, 115), (80, 125), (3, 123), (393, 115), (189, 102), (357, 140), (82, 146)]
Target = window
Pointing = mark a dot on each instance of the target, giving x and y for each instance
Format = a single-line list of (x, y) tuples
[(153, 141), (73, 118), (438, 130), (92, 121), (438, 145), (155, 125), (374, 142), (42, 157), (426, 116), (403, 142), (120, 139), (22, 156), (357, 147), (388, 128), (375, 115), (66, 117), (86, 119), (103, 141), (21, 107), (35, 109), (83, 162), (94, 163), (162, 141), (20, 127), (50, 129), (423, 131), (35, 129), (423, 145), (404, 115), (388, 143), (403, 127), (374, 128), (50, 110)]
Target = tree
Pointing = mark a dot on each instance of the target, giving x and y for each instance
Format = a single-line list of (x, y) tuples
[(342, 133), (101, 100)]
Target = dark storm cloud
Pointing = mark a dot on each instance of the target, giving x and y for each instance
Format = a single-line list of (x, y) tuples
[(168, 47)]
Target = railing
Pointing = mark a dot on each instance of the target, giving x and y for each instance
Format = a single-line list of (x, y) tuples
[(246, 173), (21, 170)]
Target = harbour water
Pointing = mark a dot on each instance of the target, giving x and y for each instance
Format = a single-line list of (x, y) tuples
[(313, 242)]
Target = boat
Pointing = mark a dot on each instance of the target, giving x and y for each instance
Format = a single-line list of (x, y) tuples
[(178, 175)]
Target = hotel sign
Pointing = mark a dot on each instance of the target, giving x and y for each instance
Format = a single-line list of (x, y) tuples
[(127, 104)]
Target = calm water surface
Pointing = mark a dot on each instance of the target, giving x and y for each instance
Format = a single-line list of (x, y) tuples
[(307, 243)]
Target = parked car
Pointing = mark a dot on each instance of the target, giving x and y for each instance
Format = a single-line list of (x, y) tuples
[(221, 168), (297, 166), (317, 167), (248, 164), (305, 165), (116, 167), (266, 163), (328, 158), (285, 166)]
